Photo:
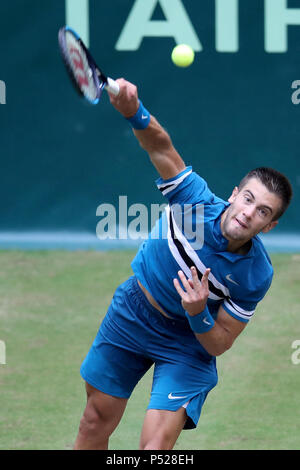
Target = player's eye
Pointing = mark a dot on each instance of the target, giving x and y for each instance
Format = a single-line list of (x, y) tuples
[(247, 198), (263, 212)]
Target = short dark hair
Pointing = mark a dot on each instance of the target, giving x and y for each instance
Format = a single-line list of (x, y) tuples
[(275, 182)]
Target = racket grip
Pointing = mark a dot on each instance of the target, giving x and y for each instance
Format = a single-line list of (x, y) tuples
[(112, 86)]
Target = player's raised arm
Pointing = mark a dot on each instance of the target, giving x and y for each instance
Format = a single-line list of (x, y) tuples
[(150, 134)]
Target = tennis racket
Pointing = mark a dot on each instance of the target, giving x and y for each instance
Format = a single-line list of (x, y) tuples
[(89, 81)]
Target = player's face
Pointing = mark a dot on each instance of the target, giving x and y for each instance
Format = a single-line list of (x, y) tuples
[(251, 211)]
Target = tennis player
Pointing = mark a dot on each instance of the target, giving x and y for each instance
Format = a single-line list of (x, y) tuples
[(185, 304)]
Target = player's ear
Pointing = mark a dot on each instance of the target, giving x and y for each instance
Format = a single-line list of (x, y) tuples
[(233, 195), (270, 226)]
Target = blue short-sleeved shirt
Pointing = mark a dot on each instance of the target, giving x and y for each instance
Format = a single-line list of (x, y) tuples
[(237, 282)]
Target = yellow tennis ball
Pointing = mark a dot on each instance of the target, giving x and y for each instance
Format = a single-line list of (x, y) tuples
[(183, 55)]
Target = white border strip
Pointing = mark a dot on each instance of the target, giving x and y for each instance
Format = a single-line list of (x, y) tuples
[(283, 243)]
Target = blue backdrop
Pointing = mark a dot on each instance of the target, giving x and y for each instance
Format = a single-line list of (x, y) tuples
[(232, 110)]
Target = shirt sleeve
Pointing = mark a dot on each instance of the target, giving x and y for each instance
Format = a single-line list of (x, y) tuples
[(240, 311), (186, 187), (243, 310)]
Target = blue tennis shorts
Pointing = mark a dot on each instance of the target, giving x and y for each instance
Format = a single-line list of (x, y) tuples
[(132, 337)]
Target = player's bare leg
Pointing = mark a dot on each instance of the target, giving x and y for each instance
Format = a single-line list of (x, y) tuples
[(161, 429), (100, 418)]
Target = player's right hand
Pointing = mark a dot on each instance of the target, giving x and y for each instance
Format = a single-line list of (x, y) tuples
[(127, 101)]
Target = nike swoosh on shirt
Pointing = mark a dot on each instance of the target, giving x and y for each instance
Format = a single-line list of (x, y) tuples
[(170, 396), (144, 117), (228, 277)]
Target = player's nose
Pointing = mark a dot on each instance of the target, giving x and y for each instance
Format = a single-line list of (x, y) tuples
[(249, 211)]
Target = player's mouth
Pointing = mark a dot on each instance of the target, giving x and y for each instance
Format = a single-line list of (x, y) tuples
[(241, 224)]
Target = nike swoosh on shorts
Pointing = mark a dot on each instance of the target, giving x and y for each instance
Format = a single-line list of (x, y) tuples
[(170, 396)]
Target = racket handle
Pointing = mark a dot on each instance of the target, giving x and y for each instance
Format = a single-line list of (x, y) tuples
[(112, 86)]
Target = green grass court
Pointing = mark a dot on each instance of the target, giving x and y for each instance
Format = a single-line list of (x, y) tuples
[(51, 305)]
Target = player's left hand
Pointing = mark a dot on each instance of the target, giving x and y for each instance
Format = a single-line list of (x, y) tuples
[(195, 295)]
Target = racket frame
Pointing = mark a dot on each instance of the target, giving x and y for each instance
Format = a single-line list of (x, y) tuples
[(101, 81)]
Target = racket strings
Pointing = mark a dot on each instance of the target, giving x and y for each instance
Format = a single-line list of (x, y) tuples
[(78, 62)]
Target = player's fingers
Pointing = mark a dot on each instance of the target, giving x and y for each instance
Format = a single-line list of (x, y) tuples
[(179, 289), (204, 280), (195, 277), (127, 89), (185, 282), (126, 102)]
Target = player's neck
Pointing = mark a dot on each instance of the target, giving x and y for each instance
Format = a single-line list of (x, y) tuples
[(238, 247)]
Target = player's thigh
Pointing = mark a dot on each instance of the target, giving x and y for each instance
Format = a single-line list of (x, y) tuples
[(102, 410), (161, 428)]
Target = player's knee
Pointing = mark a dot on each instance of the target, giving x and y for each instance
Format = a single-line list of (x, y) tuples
[(93, 422), (88, 424)]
